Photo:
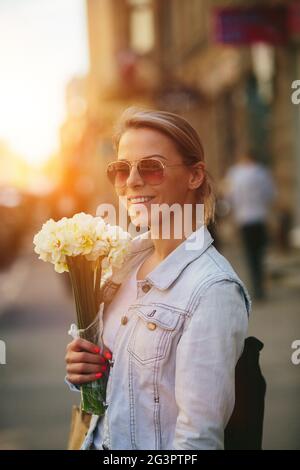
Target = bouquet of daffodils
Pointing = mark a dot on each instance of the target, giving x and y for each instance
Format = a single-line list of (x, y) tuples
[(88, 249)]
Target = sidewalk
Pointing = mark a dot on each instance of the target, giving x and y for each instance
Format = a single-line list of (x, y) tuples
[(35, 315)]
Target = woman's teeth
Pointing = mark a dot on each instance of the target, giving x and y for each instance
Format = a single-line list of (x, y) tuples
[(136, 200)]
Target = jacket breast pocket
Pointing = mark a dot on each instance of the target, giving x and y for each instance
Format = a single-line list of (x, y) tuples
[(152, 332)]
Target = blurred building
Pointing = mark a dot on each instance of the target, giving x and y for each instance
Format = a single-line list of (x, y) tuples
[(168, 55), (14, 170)]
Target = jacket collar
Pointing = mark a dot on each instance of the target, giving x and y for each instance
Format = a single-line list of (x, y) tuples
[(172, 266)]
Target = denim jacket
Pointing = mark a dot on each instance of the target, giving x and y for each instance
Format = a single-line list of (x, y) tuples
[(171, 383)]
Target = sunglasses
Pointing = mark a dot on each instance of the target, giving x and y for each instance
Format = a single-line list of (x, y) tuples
[(151, 170)]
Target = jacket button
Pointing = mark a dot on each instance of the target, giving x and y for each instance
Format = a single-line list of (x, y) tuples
[(151, 326), (124, 320), (146, 288)]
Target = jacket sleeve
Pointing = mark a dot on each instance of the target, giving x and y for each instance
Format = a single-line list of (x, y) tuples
[(206, 356)]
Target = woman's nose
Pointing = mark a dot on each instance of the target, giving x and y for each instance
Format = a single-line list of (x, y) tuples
[(134, 178)]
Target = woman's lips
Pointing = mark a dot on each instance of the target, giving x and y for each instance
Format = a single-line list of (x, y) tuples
[(140, 199)]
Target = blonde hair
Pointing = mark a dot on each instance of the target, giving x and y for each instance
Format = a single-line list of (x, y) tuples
[(183, 135)]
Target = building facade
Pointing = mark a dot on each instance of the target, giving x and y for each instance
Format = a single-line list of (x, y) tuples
[(163, 54)]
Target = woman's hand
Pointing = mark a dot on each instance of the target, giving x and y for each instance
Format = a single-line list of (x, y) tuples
[(85, 362)]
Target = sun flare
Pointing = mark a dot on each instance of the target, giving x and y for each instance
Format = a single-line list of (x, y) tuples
[(42, 46)]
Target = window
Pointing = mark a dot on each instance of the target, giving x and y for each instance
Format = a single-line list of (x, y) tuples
[(141, 25)]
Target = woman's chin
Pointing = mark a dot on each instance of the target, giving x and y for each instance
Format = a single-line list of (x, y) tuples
[(140, 222), (139, 217)]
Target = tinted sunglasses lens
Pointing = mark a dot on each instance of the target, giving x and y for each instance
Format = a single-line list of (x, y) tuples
[(118, 173), (152, 171)]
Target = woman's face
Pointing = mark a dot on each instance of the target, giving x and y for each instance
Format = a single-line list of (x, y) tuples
[(179, 183)]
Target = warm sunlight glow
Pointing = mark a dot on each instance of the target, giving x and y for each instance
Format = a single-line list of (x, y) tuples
[(43, 44)]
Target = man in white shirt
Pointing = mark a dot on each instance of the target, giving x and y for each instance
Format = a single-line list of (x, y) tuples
[(250, 190)]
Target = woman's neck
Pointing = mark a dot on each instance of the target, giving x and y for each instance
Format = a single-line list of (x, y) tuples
[(163, 247)]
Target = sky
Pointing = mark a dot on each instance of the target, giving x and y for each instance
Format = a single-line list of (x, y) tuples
[(43, 44)]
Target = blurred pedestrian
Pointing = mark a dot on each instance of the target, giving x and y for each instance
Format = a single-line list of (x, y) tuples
[(250, 191)]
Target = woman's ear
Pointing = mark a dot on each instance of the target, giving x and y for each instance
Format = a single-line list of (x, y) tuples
[(197, 175)]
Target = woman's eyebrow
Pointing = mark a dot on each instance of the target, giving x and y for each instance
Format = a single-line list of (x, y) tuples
[(147, 156), (155, 155)]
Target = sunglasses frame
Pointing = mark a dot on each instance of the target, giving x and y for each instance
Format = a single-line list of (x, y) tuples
[(136, 163)]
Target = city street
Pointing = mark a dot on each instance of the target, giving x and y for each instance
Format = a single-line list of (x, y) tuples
[(35, 315), (168, 103), (35, 402)]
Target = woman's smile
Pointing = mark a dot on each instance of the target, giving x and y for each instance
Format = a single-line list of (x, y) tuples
[(139, 199)]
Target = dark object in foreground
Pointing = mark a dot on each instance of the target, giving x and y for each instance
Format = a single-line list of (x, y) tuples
[(245, 428)]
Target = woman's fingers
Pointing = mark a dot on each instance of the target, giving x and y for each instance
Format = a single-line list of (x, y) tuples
[(85, 362), (80, 344), (78, 357), (79, 379), (106, 353), (85, 369)]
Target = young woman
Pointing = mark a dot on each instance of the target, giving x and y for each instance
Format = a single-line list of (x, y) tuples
[(177, 322)]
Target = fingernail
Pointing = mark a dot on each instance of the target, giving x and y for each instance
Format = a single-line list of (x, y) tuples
[(103, 368), (107, 355), (99, 375), (96, 350)]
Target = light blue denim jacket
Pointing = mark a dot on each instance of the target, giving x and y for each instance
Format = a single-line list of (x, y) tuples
[(172, 386)]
